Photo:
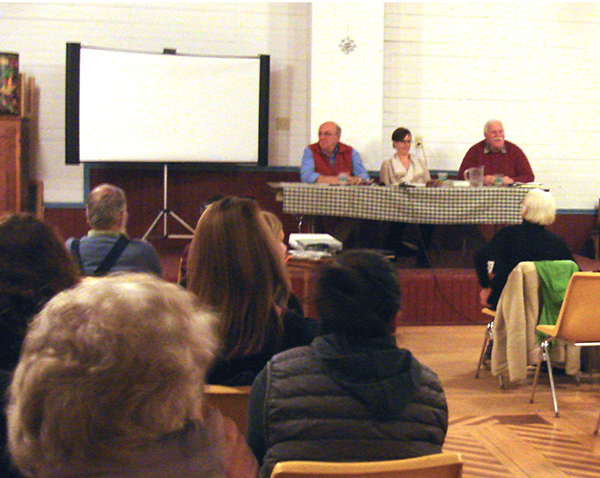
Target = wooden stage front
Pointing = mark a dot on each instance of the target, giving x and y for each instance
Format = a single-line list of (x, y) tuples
[(445, 294)]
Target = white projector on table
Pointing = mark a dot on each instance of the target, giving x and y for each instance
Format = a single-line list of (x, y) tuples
[(315, 242)]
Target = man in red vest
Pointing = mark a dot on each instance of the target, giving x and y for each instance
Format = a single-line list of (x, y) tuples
[(326, 160)]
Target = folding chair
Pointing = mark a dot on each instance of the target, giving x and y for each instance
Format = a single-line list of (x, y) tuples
[(441, 465), (578, 324), (487, 338)]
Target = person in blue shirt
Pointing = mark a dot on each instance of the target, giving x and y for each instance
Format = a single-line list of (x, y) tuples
[(107, 248), (328, 159)]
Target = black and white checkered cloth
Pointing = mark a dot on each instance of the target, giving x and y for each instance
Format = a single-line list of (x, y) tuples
[(421, 205)]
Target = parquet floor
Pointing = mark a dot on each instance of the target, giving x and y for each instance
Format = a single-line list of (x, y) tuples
[(498, 432)]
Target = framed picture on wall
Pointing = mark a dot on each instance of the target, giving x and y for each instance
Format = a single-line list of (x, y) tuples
[(9, 83)]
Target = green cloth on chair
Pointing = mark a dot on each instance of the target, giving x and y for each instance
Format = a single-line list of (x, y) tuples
[(554, 278)]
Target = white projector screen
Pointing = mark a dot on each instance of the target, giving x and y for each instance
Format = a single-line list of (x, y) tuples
[(164, 107)]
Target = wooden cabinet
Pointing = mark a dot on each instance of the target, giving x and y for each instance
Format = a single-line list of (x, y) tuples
[(15, 182), (14, 179)]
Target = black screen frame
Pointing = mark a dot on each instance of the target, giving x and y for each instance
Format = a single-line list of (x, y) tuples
[(72, 110)]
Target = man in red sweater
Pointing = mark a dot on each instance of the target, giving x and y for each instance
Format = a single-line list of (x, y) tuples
[(498, 157)]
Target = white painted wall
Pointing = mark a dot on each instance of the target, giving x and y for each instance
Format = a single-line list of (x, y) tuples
[(348, 87), (39, 33), (449, 67)]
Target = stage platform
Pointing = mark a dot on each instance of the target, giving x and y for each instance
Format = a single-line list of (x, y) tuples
[(445, 294)]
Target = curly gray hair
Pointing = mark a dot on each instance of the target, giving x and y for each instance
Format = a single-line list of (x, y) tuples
[(107, 367)]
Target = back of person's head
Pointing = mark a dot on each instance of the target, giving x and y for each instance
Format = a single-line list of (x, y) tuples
[(539, 207), (274, 223), (34, 266), (105, 206), (358, 295), (235, 266), (208, 202), (108, 367)]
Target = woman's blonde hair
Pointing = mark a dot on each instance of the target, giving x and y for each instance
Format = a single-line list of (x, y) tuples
[(539, 207), (274, 223), (235, 267), (107, 367)]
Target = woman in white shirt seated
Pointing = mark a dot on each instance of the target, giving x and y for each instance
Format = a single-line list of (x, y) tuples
[(404, 168)]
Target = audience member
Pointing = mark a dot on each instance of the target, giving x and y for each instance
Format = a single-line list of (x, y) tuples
[(498, 157), (235, 266), (182, 274), (326, 160), (106, 248), (528, 241), (276, 227), (352, 394), (110, 383), (405, 168), (34, 266)]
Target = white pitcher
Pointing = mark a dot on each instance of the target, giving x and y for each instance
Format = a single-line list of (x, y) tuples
[(475, 176)]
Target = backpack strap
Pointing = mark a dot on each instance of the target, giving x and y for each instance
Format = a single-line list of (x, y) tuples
[(113, 255), (75, 253)]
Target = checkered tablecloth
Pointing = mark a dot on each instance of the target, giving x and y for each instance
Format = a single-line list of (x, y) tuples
[(421, 205)]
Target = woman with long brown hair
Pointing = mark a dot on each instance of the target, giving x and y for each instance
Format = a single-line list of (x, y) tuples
[(235, 266)]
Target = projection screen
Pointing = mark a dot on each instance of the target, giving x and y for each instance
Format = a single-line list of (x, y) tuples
[(126, 106)]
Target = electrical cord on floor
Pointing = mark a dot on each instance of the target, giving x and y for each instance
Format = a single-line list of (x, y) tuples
[(437, 283)]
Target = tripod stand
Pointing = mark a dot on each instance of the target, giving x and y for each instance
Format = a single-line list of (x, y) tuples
[(166, 212)]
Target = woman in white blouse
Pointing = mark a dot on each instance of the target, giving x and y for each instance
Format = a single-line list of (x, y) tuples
[(404, 168)]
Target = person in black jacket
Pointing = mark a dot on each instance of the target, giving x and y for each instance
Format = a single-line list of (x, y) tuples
[(352, 395), (528, 241)]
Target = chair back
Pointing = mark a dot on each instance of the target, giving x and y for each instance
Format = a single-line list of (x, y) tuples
[(579, 317), (441, 465), (232, 402)]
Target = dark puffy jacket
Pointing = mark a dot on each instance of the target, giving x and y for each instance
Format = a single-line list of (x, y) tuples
[(343, 400)]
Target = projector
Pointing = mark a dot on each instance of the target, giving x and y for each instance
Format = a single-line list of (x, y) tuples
[(315, 242)]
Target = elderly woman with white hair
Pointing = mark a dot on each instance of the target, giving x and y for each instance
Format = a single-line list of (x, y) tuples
[(528, 241), (110, 383)]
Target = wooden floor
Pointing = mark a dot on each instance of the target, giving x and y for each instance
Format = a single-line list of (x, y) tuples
[(498, 432)]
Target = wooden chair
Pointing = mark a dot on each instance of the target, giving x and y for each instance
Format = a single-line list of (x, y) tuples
[(441, 465), (231, 401), (578, 323)]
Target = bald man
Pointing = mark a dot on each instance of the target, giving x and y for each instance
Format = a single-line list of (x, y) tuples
[(327, 159)]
